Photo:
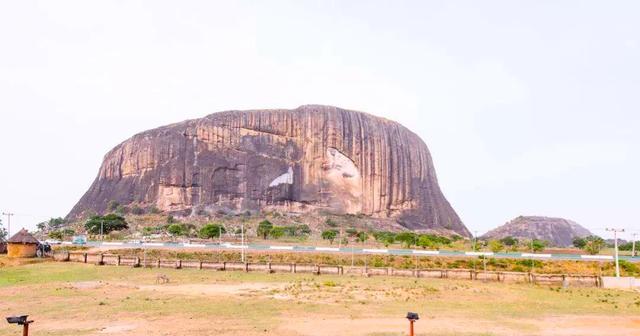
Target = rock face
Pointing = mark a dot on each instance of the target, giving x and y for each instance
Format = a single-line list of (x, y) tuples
[(560, 232), (310, 158)]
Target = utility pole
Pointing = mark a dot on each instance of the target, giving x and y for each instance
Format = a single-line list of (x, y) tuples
[(8, 214), (615, 244), (475, 240), (242, 240)]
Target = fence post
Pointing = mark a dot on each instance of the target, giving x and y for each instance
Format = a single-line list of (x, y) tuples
[(317, 269), (295, 268), (224, 265), (67, 256), (118, 260), (101, 259), (246, 267), (200, 265), (178, 264), (136, 262)]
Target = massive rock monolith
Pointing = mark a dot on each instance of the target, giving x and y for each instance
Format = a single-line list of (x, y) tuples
[(559, 232), (302, 160)]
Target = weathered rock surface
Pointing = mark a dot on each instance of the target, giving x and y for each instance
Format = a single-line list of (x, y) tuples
[(310, 158), (559, 232)]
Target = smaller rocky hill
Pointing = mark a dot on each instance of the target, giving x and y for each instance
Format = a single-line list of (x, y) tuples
[(559, 232)]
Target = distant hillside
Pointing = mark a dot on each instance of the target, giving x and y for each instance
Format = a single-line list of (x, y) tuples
[(558, 231)]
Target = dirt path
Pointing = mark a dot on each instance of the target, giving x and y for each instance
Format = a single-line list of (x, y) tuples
[(550, 326)]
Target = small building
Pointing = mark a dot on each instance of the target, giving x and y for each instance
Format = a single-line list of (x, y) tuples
[(22, 245)]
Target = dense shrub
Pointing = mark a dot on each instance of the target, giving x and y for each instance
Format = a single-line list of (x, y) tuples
[(211, 230), (106, 223), (329, 235), (264, 228)]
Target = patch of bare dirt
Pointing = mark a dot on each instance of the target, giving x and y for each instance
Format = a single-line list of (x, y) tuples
[(249, 288), (550, 326)]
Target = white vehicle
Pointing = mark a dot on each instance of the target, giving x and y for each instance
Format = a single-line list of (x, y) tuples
[(53, 242)]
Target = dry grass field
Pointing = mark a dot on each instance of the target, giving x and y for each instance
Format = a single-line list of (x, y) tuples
[(83, 299)]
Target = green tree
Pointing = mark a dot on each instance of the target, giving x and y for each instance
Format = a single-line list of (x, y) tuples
[(351, 232), (593, 244), (329, 235), (56, 235), (407, 239), (385, 237), (509, 241), (264, 228), (3, 232), (538, 245), (579, 242), (303, 230), (276, 232), (628, 246), (425, 241), (496, 246), (177, 229), (362, 237), (108, 223), (211, 230), (68, 232)]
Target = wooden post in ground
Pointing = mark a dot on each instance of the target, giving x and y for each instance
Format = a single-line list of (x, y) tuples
[(101, 259), (178, 264), (118, 260), (84, 258), (136, 262), (67, 256), (246, 267), (224, 265), (200, 265)]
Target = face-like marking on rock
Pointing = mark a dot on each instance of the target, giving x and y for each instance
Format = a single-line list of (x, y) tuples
[(343, 182)]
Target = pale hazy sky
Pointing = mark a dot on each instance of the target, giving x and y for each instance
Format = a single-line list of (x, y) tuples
[(528, 107)]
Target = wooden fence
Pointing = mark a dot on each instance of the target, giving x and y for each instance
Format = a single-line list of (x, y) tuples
[(565, 280)]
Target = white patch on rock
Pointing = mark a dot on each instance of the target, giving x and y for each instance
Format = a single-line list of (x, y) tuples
[(286, 178)]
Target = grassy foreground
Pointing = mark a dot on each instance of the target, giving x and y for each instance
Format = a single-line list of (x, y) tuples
[(80, 299)]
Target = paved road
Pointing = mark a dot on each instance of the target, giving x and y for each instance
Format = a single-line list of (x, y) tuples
[(356, 250)]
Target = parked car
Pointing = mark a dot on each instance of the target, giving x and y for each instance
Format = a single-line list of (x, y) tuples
[(53, 242)]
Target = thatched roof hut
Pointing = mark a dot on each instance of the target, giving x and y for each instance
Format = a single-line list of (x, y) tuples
[(22, 245)]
